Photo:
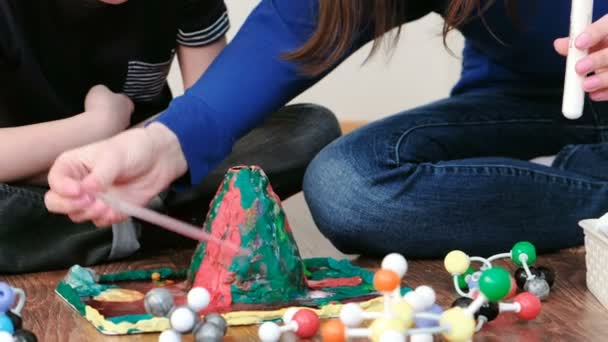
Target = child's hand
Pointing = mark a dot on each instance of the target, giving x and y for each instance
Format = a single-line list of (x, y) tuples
[(595, 39), (110, 110)]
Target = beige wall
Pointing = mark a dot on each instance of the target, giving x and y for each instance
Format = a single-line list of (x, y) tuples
[(421, 70)]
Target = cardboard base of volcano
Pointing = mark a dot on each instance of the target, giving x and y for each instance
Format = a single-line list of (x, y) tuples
[(114, 302)]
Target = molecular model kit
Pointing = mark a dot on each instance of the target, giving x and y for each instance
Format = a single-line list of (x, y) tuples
[(12, 301), (417, 316)]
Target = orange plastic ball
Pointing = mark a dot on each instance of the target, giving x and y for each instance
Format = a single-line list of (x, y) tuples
[(386, 281), (333, 331)]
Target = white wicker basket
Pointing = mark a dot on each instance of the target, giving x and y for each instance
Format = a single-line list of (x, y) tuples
[(596, 246)]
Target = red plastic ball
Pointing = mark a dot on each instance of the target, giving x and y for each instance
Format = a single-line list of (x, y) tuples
[(530, 305), (308, 323), (513, 290)]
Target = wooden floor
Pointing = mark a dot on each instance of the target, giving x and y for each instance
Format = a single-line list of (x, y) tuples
[(571, 314)]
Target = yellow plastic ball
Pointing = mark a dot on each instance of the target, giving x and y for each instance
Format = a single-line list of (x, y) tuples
[(460, 323), (381, 325), (456, 262), (403, 311)]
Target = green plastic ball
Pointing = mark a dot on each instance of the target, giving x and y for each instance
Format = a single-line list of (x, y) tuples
[(495, 283), (523, 247), (462, 282)]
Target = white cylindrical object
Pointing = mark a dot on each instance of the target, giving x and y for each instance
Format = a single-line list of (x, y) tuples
[(574, 95), (509, 307)]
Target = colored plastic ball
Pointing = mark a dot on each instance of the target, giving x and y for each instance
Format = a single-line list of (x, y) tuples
[(208, 332), (402, 311), (288, 315), (529, 305), (351, 315), (462, 279), (521, 248), (428, 323), (392, 336), (495, 283), (198, 298), (473, 280), (489, 310), (308, 323), (538, 287), (7, 297), (6, 337), (218, 320), (513, 290), (386, 281), (547, 274), (24, 336), (381, 325), (16, 319), (461, 325), (269, 332), (170, 336), (456, 262), (158, 302), (395, 262), (521, 276), (427, 294), (415, 300), (333, 331), (6, 324), (183, 319)]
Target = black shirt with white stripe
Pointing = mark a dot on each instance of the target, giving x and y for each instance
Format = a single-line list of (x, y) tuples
[(53, 51)]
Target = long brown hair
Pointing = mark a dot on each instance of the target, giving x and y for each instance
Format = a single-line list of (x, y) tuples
[(339, 20)]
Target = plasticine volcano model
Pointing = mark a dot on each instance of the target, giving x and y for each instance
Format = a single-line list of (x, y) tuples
[(246, 289)]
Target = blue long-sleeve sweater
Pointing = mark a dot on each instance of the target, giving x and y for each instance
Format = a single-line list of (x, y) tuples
[(250, 79)]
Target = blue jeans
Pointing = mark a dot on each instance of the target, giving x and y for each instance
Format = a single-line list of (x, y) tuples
[(455, 174)]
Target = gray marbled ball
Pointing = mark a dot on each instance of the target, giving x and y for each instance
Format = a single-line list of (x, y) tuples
[(218, 320), (158, 302), (208, 332), (538, 287)]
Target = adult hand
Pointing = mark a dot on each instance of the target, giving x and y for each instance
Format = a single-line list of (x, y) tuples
[(595, 39), (135, 166)]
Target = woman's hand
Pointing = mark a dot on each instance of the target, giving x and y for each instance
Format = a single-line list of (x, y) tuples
[(135, 166), (595, 39)]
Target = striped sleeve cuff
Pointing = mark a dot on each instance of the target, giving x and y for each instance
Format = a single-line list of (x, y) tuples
[(207, 35)]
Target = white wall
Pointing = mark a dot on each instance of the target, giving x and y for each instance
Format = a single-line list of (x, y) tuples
[(421, 70)]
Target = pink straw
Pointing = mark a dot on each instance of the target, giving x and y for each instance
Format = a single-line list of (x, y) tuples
[(167, 222)]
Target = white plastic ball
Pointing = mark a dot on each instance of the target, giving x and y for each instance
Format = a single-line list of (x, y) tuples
[(6, 337), (351, 315), (415, 300), (183, 319), (396, 263), (392, 336), (288, 315), (170, 336), (427, 294), (269, 332), (198, 298), (421, 338)]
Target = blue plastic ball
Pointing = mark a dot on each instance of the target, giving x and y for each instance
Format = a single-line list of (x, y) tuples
[(7, 297), (429, 323), (6, 324)]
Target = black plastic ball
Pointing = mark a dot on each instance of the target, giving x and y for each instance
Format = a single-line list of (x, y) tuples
[(521, 277), (24, 336), (16, 319), (547, 274), (489, 310)]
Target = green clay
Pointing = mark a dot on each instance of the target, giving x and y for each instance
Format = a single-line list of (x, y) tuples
[(71, 296), (165, 273), (83, 281), (129, 318)]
